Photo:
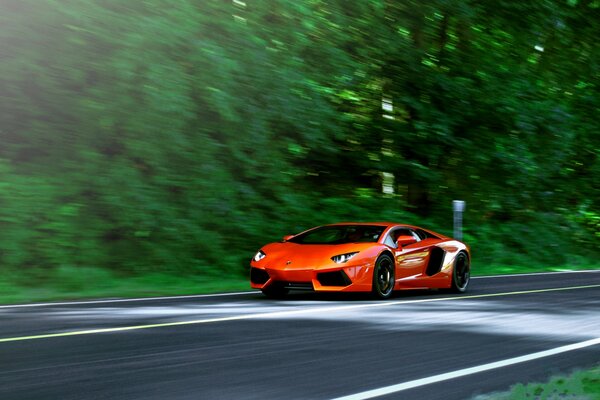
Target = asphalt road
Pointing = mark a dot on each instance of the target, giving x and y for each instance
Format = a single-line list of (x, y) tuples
[(309, 346)]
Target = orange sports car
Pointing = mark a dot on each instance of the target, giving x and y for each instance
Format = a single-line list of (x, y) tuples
[(377, 257)]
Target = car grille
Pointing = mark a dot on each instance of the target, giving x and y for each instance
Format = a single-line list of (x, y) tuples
[(299, 285)]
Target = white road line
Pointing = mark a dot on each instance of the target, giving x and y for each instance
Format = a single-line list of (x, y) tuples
[(537, 273), (196, 296), (369, 394), (297, 311), (74, 303)]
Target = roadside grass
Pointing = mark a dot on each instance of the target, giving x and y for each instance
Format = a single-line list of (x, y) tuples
[(580, 385), (70, 283), (67, 283), (482, 270)]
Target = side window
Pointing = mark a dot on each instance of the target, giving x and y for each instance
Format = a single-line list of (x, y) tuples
[(422, 234), (402, 232), (425, 235), (390, 240), (415, 235)]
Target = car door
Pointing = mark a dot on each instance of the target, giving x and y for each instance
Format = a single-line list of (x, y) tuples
[(411, 260)]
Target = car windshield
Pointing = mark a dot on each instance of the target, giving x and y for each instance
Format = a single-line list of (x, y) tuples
[(340, 234)]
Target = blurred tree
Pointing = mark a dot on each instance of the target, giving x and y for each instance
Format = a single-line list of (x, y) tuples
[(179, 136)]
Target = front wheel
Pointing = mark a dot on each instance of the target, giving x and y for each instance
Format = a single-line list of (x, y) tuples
[(461, 273), (383, 277)]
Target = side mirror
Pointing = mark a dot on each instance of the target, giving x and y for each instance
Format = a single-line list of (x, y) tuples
[(287, 237), (405, 240)]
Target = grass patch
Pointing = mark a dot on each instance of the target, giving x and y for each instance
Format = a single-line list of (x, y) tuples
[(67, 283), (581, 385)]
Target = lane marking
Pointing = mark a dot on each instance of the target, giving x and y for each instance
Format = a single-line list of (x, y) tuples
[(75, 303), (585, 271), (386, 390), (196, 296), (286, 313)]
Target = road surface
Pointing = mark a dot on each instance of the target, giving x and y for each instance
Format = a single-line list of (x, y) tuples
[(418, 345)]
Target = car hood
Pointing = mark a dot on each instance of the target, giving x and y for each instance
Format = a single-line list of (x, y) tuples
[(290, 255)]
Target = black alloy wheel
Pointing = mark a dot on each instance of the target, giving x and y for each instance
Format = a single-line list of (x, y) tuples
[(383, 277), (461, 273)]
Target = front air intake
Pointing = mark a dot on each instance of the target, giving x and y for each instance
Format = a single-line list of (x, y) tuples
[(258, 276), (334, 278)]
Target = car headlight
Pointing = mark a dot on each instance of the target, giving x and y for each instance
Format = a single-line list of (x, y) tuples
[(342, 258), (259, 256)]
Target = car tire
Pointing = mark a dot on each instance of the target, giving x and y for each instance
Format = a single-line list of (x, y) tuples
[(275, 291), (383, 277), (461, 273)]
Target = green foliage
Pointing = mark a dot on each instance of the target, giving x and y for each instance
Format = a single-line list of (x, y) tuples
[(177, 137), (579, 385)]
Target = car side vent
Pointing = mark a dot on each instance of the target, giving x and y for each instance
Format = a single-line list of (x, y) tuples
[(334, 278), (436, 258), (258, 276)]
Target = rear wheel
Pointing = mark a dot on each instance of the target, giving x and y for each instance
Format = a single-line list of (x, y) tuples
[(383, 277), (275, 291), (461, 273)]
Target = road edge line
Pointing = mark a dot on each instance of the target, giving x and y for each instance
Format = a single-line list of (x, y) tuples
[(537, 274), (83, 302), (267, 315), (387, 390)]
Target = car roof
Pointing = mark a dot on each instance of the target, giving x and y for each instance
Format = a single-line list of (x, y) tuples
[(379, 223), (388, 225)]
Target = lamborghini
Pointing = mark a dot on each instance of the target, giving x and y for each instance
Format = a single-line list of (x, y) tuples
[(377, 257)]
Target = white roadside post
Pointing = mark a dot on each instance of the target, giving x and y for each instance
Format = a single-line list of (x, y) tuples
[(458, 206)]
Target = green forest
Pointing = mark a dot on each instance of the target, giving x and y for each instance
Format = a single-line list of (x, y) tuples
[(174, 138)]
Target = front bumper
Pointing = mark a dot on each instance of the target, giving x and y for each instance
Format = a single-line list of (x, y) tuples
[(339, 279)]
